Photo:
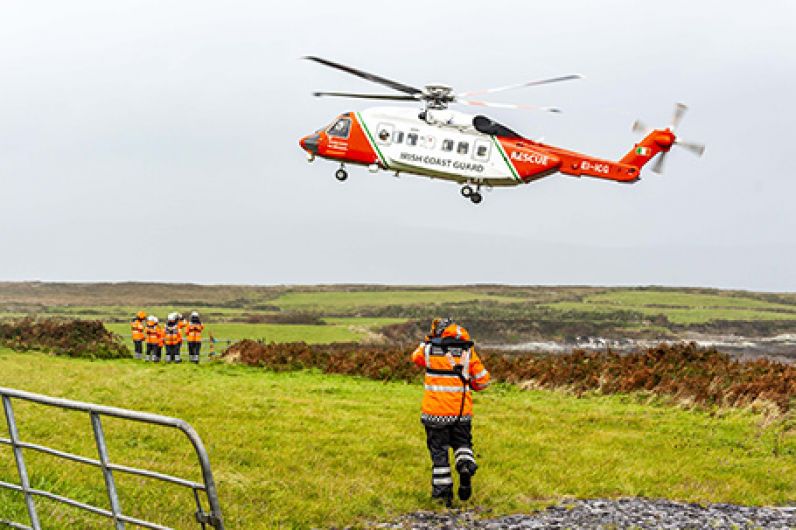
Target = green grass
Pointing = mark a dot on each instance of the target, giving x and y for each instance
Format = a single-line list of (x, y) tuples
[(303, 449), (335, 330), (681, 307), (684, 299), (348, 300)]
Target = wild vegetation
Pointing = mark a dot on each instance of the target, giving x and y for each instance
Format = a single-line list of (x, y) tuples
[(75, 338), (302, 449), (682, 373)]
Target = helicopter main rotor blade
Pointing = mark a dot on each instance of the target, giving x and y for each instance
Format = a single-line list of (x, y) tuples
[(491, 104), (521, 85), (395, 85), (390, 97)]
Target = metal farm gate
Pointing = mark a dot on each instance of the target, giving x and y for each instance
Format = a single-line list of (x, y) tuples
[(116, 514)]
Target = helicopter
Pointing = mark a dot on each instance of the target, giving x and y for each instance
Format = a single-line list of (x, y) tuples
[(471, 150)]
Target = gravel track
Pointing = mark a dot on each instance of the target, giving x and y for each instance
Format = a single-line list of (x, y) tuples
[(631, 513)]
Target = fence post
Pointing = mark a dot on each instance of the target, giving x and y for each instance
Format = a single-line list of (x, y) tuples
[(110, 484), (24, 482)]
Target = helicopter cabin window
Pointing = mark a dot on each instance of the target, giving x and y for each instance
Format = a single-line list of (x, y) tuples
[(398, 137), (481, 152), (411, 139), (384, 133), (341, 128), (447, 145), (463, 148)]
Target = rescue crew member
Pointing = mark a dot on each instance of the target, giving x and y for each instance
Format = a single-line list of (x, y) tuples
[(137, 329), (182, 323), (153, 333), (453, 368), (193, 334), (172, 337)]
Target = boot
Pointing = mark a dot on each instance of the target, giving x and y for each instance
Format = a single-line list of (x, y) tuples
[(466, 471), (443, 493), (465, 485)]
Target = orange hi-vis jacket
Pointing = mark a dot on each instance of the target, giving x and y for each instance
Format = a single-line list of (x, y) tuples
[(193, 333), (154, 334), (442, 400), (172, 335), (137, 328), (182, 324)]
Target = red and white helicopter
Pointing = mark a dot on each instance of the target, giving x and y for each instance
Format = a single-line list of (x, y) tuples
[(472, 150)]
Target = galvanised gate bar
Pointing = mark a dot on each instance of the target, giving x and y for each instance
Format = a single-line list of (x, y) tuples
[(212, 518)]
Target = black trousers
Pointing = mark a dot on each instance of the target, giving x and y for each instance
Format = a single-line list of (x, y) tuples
[(172, 352), (440, 439), (193, 351), (138, 347), (152, 352)]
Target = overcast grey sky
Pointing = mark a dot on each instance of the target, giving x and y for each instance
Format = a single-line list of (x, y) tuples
[(157, 140)]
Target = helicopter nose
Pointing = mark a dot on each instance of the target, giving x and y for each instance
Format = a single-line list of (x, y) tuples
[(310, 143)]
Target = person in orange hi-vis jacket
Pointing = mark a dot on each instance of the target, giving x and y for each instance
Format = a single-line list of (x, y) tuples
[(172, 337), (193, 334), (137, 330), (453, 369), (154, 339)]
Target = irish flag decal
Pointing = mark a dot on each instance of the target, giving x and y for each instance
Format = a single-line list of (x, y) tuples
[(643, 151)]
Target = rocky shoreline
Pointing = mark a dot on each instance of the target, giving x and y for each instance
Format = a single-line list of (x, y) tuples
[(628, 513)]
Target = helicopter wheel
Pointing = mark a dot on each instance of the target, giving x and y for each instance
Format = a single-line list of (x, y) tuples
[(341, 174), (476, 197), (467, 191)]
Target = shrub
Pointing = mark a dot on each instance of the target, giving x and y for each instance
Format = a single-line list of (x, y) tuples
[(73, 338)]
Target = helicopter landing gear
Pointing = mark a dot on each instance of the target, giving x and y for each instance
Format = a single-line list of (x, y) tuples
[(473, 194), (341, 174)]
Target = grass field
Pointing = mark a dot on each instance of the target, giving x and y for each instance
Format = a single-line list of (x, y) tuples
[(354, 313), (352, 300), (303, 449), (682, 307), (336, 330)]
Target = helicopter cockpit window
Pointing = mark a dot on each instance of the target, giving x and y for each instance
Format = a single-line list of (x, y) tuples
[(447, 145), (341, 128), (462, 148), (411, 139)]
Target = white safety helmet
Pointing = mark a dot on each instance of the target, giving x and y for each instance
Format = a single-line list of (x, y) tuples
[(194, 314), (172, 316), (153, 319)]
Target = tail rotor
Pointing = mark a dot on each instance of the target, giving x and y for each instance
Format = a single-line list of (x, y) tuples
[(695, 148)]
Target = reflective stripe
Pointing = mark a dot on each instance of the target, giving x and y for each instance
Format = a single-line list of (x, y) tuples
[(480, 386), (466, 362), (462, 450), (438, 388), (481, 374), (441, 471), (442, 481), (447, 376), (465, 457), (427, 353)]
